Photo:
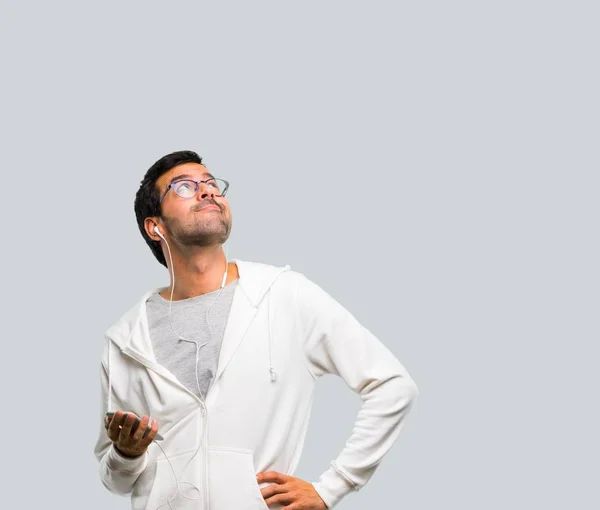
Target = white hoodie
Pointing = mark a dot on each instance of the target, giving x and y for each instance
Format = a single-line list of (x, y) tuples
[(283, 333)]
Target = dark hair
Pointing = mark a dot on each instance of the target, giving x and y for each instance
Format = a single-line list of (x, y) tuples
[(148, 195)]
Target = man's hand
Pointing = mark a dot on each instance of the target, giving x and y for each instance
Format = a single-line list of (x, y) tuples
[(130, 445), (293, 493)]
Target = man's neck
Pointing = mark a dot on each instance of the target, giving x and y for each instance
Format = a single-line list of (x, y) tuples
[(199, 273)]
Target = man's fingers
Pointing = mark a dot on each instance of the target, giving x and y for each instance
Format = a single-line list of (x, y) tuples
[(148, 438), (126, 428), (143, 425), (270, 490), (272, 477), (119, 431), (113, 427), (285, 498)]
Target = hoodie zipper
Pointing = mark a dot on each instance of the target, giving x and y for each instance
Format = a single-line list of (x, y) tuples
[(204, 413)]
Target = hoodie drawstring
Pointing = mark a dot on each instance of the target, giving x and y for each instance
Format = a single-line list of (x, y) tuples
[(109, 405), (274, 375)]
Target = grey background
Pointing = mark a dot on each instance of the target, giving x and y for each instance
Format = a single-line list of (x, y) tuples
[(433, 165)]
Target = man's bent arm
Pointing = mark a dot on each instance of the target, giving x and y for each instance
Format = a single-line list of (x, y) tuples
[(334, 342), (117, 472)]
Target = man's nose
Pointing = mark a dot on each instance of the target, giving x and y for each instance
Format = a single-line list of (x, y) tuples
[(205, 191)]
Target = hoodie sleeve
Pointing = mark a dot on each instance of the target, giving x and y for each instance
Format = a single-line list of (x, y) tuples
[(117, 473), (335, 343)]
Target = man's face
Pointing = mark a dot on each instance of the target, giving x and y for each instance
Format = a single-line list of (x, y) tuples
[(202, 220)]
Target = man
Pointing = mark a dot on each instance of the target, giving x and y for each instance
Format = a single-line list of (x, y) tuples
[(223, 363)]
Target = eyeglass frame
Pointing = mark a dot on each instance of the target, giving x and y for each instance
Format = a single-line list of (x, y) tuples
[(171, 184)]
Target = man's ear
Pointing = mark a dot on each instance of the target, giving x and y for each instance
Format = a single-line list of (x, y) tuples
[(151, 226)]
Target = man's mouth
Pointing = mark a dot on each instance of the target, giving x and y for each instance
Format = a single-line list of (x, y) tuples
[(207, 207)]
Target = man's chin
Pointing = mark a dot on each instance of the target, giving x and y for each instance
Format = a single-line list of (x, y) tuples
[(205, 240)]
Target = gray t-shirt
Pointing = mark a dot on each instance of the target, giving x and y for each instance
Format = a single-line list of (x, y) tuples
[(188, 319)]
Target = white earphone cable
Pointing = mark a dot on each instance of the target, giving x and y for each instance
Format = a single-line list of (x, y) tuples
[(198, 347)]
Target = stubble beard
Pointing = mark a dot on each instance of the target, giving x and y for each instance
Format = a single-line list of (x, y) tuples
[(202, 233)]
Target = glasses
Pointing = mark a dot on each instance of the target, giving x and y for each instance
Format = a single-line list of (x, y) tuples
[(187, 188)]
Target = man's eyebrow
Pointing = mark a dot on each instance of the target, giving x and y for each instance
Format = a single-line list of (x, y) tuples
[(179, 177), (189, 176)]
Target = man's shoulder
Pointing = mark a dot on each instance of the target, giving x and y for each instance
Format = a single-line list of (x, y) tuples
[(256, 271), (257, 278), (257, 266), (128, 321)]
